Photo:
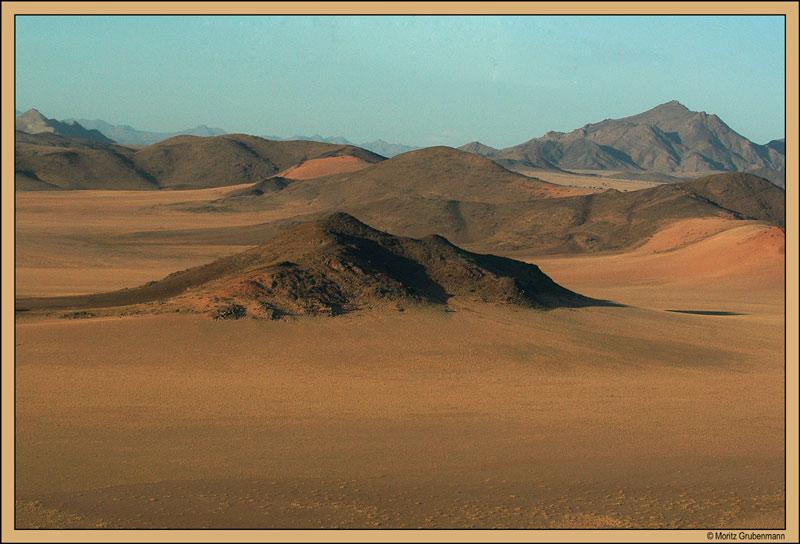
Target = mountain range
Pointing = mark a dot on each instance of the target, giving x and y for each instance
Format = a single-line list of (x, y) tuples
[(33, 122), (665, 144), (462, 195), (381, 147), (126, 134), (668, 139), (52, 162)]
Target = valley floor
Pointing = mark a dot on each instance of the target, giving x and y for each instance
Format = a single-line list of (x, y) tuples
[(477, 416)]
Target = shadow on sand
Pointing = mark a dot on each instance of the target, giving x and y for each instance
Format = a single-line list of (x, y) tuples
[(589, 302), (703, 312)]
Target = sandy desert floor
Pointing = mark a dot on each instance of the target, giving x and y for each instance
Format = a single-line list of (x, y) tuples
[(641, 415), (586, 180)]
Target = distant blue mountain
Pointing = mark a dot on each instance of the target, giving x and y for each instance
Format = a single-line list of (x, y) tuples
[(126, 134), (380, 147), (33, 122)]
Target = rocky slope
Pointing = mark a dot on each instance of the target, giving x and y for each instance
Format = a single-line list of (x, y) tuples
[(334, 265)]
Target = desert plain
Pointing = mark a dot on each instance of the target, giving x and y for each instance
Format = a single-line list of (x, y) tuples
[(662, 410)]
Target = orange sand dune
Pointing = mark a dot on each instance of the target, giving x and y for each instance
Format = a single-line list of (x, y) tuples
[(752, 251), (709, 264), (316, 168), (684, 233)]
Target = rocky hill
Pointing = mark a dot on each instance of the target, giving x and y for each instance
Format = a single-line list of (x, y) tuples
[(334, 265)]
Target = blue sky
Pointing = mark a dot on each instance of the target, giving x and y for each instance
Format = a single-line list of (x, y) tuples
[(414, 80)]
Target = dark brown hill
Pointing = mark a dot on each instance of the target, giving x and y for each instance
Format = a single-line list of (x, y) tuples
[(337, 264), (607, 221), (611, 220), (48, 161), (747, 195), (49, 139), (614, 220), (434, 172), (194, 162)]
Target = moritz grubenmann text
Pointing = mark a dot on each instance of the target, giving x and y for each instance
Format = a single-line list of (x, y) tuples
[(745, 535)]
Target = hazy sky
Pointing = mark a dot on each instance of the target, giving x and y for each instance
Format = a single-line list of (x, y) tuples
[(413, 80)]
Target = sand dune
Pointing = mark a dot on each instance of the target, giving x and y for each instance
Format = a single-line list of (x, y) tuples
[(707, 265), (316, 168)]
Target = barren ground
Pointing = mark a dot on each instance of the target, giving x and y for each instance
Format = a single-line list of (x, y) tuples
[(586, 180), (480, 416)]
